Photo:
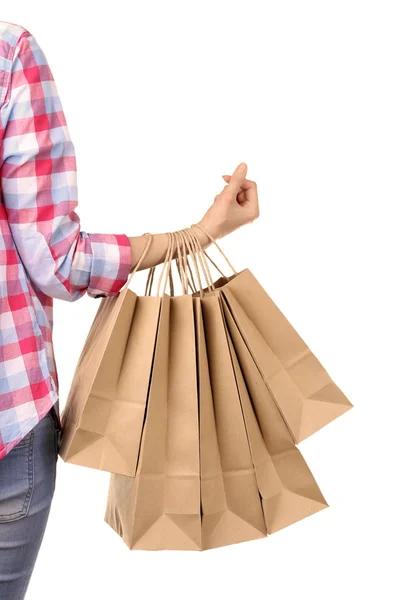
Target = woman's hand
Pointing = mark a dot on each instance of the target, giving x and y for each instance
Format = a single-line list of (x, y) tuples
[(235, 206)]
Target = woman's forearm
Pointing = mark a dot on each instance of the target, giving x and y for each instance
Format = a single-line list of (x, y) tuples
[(157, 252)]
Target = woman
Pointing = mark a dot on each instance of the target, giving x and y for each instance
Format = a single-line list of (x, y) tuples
[(45, 255)]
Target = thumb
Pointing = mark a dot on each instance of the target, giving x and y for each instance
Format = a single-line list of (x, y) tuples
[(237, 179)]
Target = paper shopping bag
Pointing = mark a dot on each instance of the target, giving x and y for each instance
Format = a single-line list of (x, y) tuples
[(304, 392), (144, 493), (104, 413), (288, 488), (159, 508), (230, 501)]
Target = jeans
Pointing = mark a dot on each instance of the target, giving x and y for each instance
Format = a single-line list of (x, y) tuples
[(27, 484)]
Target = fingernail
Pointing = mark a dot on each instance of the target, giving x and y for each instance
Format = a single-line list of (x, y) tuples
[(242, 167)]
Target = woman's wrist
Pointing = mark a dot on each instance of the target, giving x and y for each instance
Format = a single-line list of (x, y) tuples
[(211, 227), (158, 248)]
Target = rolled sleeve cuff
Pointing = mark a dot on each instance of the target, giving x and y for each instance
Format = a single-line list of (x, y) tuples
[(111, 263)]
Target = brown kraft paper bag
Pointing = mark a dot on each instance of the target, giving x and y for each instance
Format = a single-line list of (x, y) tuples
[(135, 504), (104, 413), (302, 389), (159, 508), (230, 503), (288, 489)]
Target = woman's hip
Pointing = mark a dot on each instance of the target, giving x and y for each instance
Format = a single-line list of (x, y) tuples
[(27, 485)]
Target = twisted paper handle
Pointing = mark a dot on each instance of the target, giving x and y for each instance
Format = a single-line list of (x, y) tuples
[(183, 265), (140, 259), (203, 262), (187, 245), (167, 264), (174, 240), (190, 251), (200, 259), (220, 249), (195, 252)]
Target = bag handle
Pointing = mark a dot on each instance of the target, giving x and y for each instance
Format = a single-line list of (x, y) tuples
[(170, 278), (167, 263), (191, 252), (146, 248), (149, 282), (182, 265), (197, 260), (221, 251), (190, 241), (202, 261), (181, 262)]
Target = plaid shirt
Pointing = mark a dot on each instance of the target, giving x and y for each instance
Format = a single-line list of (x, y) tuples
[(43, 252)]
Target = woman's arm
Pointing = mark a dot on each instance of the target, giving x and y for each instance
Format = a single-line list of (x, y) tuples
[(235, 206), (38, 178)]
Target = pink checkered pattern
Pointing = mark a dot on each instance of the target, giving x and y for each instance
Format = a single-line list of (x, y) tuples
[(43, 252)]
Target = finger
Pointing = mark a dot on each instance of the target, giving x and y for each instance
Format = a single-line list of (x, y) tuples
[(246, 185), (241, 195), (236, 180)]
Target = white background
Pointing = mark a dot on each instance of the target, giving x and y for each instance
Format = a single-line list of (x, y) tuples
[(161, 99)]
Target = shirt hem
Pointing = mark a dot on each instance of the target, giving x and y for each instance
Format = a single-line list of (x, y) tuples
[(53, 396)]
